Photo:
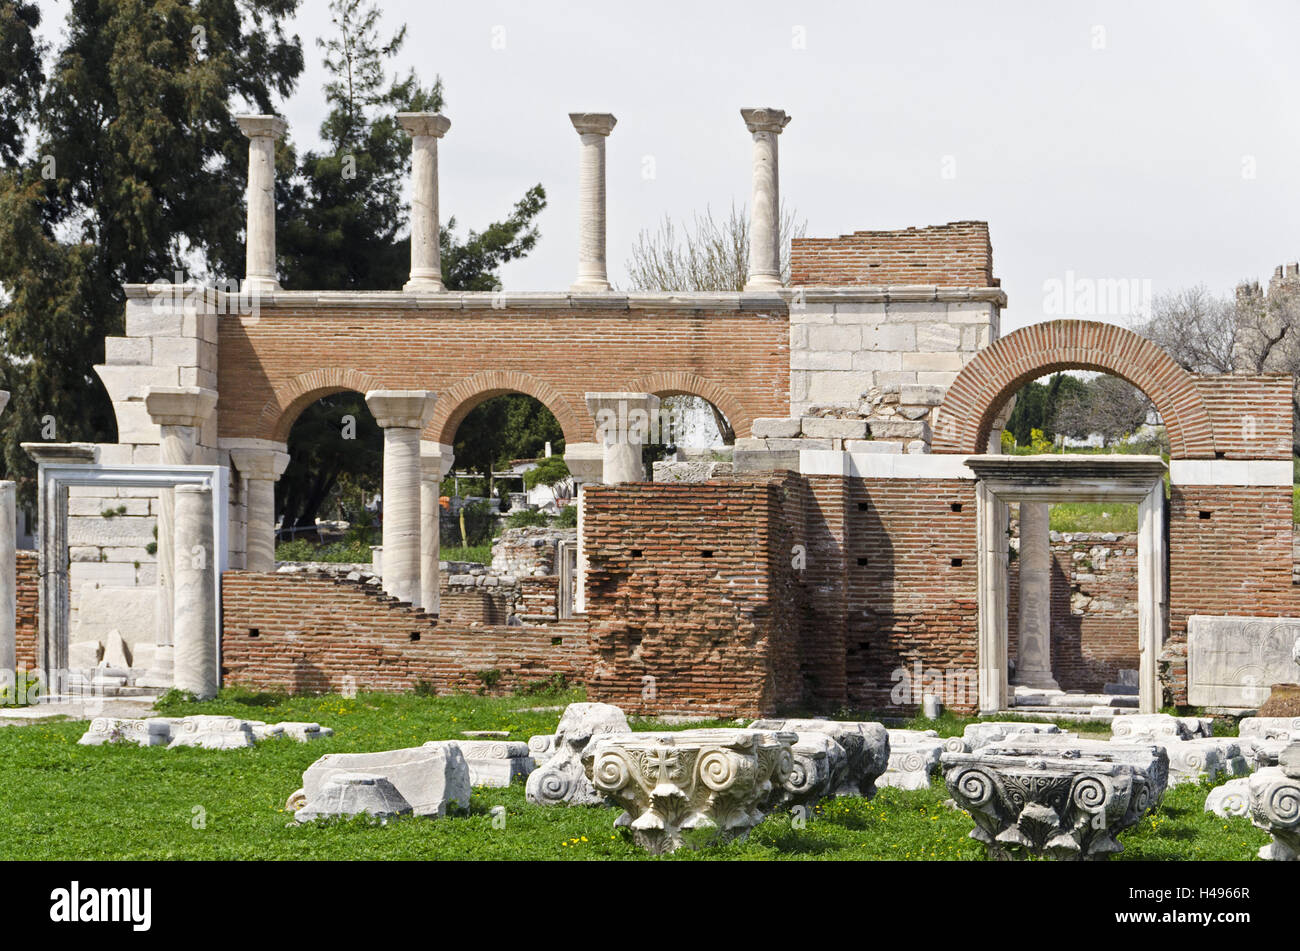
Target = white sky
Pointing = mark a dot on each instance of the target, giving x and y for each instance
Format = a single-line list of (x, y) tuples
[(1118, 163)]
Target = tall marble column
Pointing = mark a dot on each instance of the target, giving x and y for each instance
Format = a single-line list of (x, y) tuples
[(180, 412), (260, 468), (593, 128), (402, 414), (765, 207), (586, 462), (195, 606), (1034, 656), (263, 132), (435, 462), (426, 128), (625, 422)]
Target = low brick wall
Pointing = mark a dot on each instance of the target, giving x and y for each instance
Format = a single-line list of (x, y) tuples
[(27, 626), (306, 633)]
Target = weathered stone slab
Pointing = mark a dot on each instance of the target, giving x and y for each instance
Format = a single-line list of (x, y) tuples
[(154, 731), (693, 787), (433, 778), (1269, 728), (495, 762), (1155, 727), (353, 794), (561, 779), (995, 731), (1233, 661)]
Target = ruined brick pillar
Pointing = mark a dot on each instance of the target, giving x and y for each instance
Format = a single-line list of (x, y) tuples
[(765, 208), (263, 132), (402, 414), (594, 128), (426, 128)]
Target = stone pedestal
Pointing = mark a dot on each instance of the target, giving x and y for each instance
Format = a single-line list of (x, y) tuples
[(260, 468), (594, 128), (625, 422), (426, 128), (1034, 659), (402, 414), (765, 207), (195, 610), (262, 132)]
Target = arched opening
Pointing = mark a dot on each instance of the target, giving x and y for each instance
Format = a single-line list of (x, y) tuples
[(509, 472), (327, 500)]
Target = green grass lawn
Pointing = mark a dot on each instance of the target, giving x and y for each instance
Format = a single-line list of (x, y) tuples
[(64, 801)]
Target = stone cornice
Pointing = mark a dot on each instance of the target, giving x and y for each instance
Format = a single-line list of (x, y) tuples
[(756, 301)]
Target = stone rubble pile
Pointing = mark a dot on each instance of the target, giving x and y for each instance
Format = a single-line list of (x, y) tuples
[(207, 732), (1194, 752)]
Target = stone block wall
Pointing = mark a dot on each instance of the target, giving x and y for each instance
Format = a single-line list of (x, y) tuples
[(315, 633), (112, 543), (1094, 608)]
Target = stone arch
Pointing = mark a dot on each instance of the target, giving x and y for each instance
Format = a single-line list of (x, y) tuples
[(997, 372), (282, 410), (681, 382), (455, 403)]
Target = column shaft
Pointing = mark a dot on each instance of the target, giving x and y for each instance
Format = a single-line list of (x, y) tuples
[(8, 583), (593, 128), (430, 541), (402, 513), (195, 614), (259, 542), (426, 261), (1034, 658), (765, 206)]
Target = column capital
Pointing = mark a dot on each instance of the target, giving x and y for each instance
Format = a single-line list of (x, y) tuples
[(593, 123), (261, 463), (616, 409), (586, 461), (765, 119), (436, 460), (411, 409), (433, 124), (179, 405), (256, 126)]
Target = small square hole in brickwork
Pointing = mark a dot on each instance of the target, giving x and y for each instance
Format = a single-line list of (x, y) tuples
[(862, 562), (706, 552), (1204, 514), (254, 632), (862, 506), (1220, 454), (635, 553), (863, 646), (557, 641), (956, 562), (956, 506), (415, 635)]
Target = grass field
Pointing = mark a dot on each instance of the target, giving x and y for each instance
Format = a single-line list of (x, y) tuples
[(64, 801)]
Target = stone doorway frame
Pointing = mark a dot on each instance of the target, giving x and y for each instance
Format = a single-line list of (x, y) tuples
[(1001, 479), (54, 480)]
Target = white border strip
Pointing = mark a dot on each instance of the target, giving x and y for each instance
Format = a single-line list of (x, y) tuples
[(1270, 472), (880, 465)]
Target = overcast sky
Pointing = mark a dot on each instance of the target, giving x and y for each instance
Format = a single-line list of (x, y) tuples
[(1149, 141)]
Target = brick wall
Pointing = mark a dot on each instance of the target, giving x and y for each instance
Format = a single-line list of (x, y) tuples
[(1094, 608), (27, 628), (1251, 414), (312, 632), (959, 254), (738, 360), (689, 595)]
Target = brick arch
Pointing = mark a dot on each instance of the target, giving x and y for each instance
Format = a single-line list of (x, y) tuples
[(681, 382), (455, 404), (997, 372), (282, 410)]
